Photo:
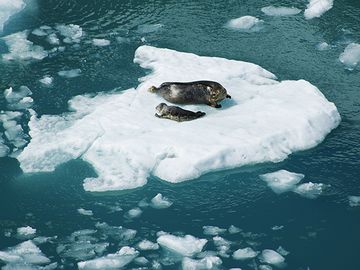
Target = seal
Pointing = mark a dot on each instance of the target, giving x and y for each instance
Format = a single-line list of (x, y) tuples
[(198, 92), (176, 113)]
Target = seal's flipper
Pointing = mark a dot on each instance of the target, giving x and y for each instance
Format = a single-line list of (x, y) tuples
[(228, 96), (158, 116)]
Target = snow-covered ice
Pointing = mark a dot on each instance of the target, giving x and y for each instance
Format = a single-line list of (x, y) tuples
[(26, 232), (354, 201), (187, 245), (72, 33), (282, 181), (147, 245), (351, 56), (72, 73), (271, 257), (280, 11), (207, 263), (9, 8), (245, 23), (46, 80), (245, 254), (119, 136), (310, 190), (213, 230), (85, 212), (134, 213), (316, 8), (100, 42), (160, 202)]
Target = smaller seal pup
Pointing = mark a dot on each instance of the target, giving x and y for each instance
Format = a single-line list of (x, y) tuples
[(198, 92), (176, 113)]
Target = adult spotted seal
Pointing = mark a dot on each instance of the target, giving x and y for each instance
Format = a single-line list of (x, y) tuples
[(198, 92), (176, 113)]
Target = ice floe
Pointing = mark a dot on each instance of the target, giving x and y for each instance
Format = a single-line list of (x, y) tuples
[(271, 257), (280, 11), (46, 80), (14, 132), (111, 261), (85, 212), (72, 33), (147, 245), (118, 233), (323, 46), (100, 42), (22, 49), (282, 181), (160, 202), (245, 23), (351, 56), (134, 213), (354, 201), (316, 8), (119, 136), (187, 245), (310, 190), (18, 100), (72, 73), (9, 8), (207, 263), (213, 230), (26, 232), (245, 254), (233, 229), (282, 251)]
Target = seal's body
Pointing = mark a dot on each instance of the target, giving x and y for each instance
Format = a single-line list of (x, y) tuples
[(176, 113), (198, 92)]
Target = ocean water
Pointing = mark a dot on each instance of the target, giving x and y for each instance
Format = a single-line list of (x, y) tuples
[(321, 233)]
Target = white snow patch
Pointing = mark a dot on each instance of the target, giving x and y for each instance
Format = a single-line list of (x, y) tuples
[(245, 254), (72, 73), (100, 42), (9, 8), (213, 230), (118, 134), (160, 202), (354, 201), (280, 11), (351, 56), (26, 232), (310, 190), (186, 246), (271, 257), (22, 49), (207, 263), (282, 181), (245, 23), (111, 261), (316, 8), (147, 245), (47, 80), (85, 212)]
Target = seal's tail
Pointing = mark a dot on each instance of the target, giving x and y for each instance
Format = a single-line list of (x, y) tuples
[(200, 114), (152, 89)]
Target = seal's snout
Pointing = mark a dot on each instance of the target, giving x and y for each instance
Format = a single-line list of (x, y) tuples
[(228, 96), (152, 89)]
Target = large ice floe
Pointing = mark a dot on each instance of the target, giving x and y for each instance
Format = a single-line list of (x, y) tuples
[(265, 121), (280, 11), (351, 56), (316, 8), (9, 8)]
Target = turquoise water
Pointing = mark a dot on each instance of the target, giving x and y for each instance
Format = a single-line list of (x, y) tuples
[(319, 234)]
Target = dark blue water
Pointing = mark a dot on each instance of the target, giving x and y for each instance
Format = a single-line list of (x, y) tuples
[(320, 234)]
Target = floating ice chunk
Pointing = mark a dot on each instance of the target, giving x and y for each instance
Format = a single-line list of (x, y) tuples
[(9, 8), (186, 246), (81, 250), (219, 241), (160, 202), (39, 32), (277, 227), (84, 212), (245, 23), (354, 201), (22, 49), (134, 213), (149, 28), (280, 11), (282, 251), (213, 230), (323, 46), (351, 56), (43, 239), (245, 254), (316, 8), (265, 267), (209, 262), (26, 232), (101, 42), (232, 229), (282, 181), (15, 134), (147, 245), (310, 190), (72, 33), (53, 39), (47, 80), (141, 261), (12, 96), (72, 73), (111, 261), (271, 257), (301, 117), (120, 234)]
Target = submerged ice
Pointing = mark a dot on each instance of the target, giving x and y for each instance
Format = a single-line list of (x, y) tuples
[(280, 11), (118, 134)]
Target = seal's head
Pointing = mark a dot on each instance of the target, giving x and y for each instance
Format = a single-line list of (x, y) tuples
[(152, 89), (217, 92), (161, 108)]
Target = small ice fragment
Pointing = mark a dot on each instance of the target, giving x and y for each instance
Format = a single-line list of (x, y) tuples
[(351, 56), (160, 202), (271, 257), (207, 263), (282, 181), (84, 212), (72, 73), (186, 246), (213, 230), (47, 80), (71, 32), (141, 261), (265, 267), (134, 213), (100, 42), (53, 39), (147, 245), (280, 11), (39, 32), (354, 201), (219, 241), (282, 251), (149, 28), (310, 190), (277, 228), (316, 8), (26, 232), (323, 46), (12, 96), (232, 229), (245, 23), (245, 254)]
